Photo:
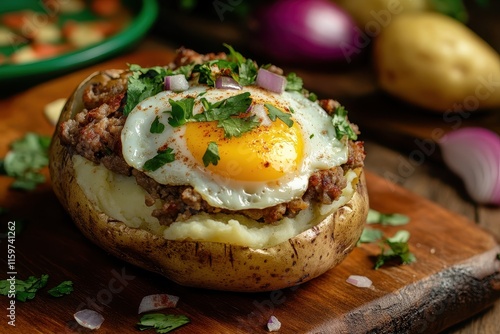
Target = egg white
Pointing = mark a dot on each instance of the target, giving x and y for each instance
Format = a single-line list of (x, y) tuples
[(322, 150)]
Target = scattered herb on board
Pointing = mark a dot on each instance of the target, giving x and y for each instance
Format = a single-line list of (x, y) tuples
[(63, 288), (163, 323), (498, 256), (24, 290), (27, 156), (398, 249), (394, 248), (391, 219)]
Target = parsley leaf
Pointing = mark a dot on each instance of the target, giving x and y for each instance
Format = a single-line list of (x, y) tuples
[(247, 70), (211, 155), (341, 124), (163, 323), (392, 219), (498, 256), (370, 235), (398, 250), (223, 110), (232, 106), (162, 158), (293, 82), (182, 111), (143, 83), (206, 73), (64, 288), (275, 112), (235, 127), (27, 156), (24, 289), (157, 126)]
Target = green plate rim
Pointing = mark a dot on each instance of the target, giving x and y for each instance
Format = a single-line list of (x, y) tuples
[(140, 24)]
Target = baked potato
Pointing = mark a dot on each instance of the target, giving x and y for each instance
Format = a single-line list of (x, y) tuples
[(219, 265)]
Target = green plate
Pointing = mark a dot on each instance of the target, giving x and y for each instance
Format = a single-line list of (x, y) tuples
[(144, 14)]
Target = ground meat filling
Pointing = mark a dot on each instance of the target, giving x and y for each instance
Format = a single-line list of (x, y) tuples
[(94, 133)]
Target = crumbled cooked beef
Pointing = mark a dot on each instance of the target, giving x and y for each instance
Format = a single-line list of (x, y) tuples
[(326, 185), (95, 133), (187, 57), (329, 105), (104, 88)]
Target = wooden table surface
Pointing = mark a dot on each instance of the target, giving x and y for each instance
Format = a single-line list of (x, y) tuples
[(430, 179)]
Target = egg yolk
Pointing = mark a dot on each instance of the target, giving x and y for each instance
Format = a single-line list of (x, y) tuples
[(265, 153)]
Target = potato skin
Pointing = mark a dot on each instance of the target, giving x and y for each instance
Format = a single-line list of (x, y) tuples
[(436, 62), (209, 265)]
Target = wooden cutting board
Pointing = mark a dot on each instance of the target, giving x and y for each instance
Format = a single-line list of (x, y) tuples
[(456, 275)]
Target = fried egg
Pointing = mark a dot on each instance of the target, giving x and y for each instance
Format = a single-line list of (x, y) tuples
[(266, 166)]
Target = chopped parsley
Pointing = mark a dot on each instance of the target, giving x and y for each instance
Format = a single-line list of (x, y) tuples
[(394, 248), (163, 323), (24, 161), (370, 235), (211, 155), (64, 288), (182, 111), (398, 250), (24, 290), (341, 124), (276, 113), (293, 82), (27, 289), (247, 70), (163, 157), (143, 83), (392, 219), (157, 126)]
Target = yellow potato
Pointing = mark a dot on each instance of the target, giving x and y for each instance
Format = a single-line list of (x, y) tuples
[(212, 265), (437, 63), (370, 13)]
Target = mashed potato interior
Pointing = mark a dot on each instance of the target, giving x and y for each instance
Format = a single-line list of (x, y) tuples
[(121, 198)]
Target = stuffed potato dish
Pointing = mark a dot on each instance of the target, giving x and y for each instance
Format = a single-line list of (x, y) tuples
[(211, 171)]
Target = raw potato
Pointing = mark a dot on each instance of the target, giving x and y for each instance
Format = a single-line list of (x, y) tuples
[(437, 63), (209, 264), (370, 13)]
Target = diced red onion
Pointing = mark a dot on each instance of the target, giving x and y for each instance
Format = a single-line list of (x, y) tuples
[(176, 83), (474, 154), (157, 302), (224, 82), (359, 281), (89, 319), (273, 324), (270, 81)]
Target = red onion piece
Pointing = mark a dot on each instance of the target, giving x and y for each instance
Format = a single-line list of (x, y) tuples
[(270, 81), (359, 281), (176, 83), (157, 302), (224, 82), (89, 319), (273, 324), (306, 30), (473, 153)]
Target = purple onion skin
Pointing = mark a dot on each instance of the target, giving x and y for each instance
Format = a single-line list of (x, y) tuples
[(306, 30)]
